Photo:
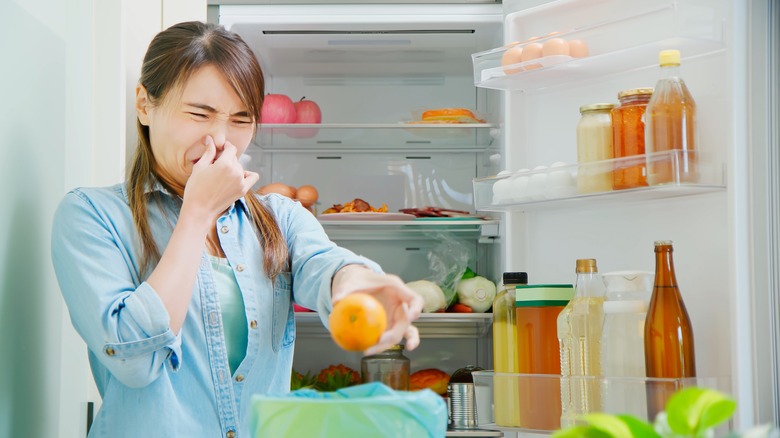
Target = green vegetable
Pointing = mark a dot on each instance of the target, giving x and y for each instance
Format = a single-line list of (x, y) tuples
[(476, 292), (691, 412), (468, 274)]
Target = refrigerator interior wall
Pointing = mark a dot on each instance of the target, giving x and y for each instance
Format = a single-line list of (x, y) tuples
[(371, 68), (542, 130)]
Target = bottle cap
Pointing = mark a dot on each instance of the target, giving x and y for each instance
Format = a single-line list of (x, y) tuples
[(586, 265), (596, 107), (669, 57), (635, 92), (663, 243), (515, 278)]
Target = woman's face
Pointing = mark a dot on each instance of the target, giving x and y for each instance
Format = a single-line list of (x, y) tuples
[(206, 105)]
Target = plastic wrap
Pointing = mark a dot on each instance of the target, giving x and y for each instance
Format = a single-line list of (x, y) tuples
[(371, 409)]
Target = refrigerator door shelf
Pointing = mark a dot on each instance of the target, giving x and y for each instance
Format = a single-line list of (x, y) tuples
[(688, 173), (620, 44)]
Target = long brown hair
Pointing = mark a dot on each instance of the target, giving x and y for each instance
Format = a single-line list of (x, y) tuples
[(172, 57)]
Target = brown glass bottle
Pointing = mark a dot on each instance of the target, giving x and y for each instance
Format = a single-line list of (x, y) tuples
[(669, 351)]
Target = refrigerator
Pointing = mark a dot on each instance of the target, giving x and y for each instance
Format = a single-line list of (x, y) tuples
[(374, 67)]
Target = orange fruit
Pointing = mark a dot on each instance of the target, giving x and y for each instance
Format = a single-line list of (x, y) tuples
[(357, 321)]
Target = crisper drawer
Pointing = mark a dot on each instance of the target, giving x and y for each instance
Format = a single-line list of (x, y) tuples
[(400, 180), (406, 258)]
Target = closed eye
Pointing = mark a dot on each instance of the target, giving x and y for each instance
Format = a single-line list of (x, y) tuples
[(198, 115)]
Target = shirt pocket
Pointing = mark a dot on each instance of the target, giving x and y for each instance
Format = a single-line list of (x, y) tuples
[(283, 329)]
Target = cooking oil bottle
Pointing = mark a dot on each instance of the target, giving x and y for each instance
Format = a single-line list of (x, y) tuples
[(506, 403), (579, 336)]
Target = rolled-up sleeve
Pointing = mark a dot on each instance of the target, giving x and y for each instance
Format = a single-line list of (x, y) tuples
[(122, 320)]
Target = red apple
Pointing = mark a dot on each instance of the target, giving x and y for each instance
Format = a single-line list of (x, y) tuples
[(278, 108), (307, 112)]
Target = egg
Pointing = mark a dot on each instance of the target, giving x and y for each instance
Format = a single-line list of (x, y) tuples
[(512, 56), (277, 187), (555, 46), (308, 195), (531, 51), (578, 48)]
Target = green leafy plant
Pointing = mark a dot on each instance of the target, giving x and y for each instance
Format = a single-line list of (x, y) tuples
[(691, 412)]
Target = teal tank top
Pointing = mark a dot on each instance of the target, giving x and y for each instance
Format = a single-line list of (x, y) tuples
[(231, 304)]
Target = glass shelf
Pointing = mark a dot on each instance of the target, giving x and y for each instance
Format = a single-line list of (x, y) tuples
[(396, 136), (412, 229), (430, 325), (531, 403), (614, 46), (684, 173)]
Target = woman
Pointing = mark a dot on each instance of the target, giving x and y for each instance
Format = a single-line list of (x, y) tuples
[(181, 280)]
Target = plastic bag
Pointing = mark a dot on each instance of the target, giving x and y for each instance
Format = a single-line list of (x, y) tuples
[(448, 260), (368, 410)]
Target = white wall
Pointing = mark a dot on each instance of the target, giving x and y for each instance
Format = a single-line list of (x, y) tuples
[(62, 125), (44, 123)]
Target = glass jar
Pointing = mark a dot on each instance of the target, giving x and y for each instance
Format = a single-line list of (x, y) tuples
[(390, 367), (594, 144), (628, 138)]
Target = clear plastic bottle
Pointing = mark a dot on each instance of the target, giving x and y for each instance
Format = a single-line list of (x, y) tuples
[(506, 409), (579, 336), (670, 124), (594, 143), (623, 356)]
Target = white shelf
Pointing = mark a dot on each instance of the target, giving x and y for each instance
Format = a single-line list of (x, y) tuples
[(389, 230), (430, 325), (615, 45), (556, 187), (376, 136)]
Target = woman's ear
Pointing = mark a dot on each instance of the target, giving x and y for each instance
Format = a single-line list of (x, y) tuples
[(142, 105)]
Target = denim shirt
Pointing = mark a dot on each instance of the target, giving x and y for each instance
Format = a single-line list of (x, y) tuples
[(153, 382)]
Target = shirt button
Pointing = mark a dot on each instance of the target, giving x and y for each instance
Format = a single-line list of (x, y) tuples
[(239, 378), (224, 229), (240, 268), (253, 323), (110, 351), (230, 434), (213, 318)]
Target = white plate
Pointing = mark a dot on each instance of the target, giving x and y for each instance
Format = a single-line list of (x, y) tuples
[(365, 216)]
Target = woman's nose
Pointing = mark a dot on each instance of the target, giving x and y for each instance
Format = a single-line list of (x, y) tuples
[(219, 139)]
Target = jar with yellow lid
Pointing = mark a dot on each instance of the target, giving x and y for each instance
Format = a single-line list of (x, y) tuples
[(594, 144), (628, 138)]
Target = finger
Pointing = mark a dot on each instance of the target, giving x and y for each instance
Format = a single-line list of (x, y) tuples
[(250, 179), (395, 333), (209, 154), (415, 307), (228, 152), (412, 336)]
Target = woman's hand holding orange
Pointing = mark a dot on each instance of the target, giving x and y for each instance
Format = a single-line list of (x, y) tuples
[(402, 306)]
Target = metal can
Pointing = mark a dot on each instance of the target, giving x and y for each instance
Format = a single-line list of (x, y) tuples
[(390, 367), (628, 138)]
